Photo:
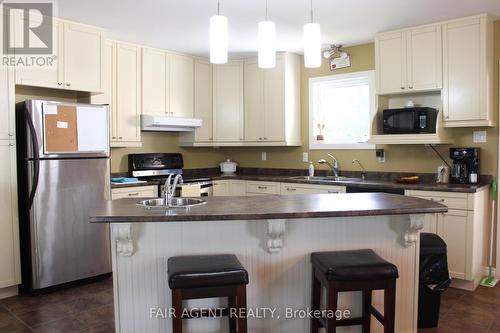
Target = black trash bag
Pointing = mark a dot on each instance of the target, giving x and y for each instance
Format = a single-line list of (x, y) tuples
[(434, 279)]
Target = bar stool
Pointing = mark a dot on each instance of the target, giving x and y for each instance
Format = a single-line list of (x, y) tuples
[(207, 276), (356, 270)]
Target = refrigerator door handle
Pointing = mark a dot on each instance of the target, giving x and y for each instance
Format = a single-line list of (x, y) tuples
[(36, 158)]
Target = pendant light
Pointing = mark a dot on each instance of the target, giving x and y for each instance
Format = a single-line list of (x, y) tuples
[(218, 38), (312, 43), (267, 43)]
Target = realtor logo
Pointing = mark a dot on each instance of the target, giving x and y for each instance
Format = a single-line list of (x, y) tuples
[(27, 28)]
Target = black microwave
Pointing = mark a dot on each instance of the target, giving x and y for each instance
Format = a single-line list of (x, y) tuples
[(410, 120)]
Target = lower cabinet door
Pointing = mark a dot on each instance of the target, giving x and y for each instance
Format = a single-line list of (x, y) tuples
[(221, 188), (453, 228), (10, 273), (430, 224)]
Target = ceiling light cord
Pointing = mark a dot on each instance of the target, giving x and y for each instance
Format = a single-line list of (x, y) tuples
[(266, 11), (218, 7)]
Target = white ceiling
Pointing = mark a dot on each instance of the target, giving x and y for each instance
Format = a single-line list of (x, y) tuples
[(182, 25)]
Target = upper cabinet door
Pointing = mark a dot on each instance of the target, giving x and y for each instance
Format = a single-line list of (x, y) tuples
[(468, 72), (83, 57), (154, 82), (203, 99), (255, 128), (128, 92), (47, 76), (108, 95), (390, 54), (274, 100), (181, 86), (228, 102), (425, 70), (7, 107)]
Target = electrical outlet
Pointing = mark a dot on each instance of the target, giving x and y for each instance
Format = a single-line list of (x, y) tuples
[(479, 137), (305, 156), (380, 153), (263, 156)]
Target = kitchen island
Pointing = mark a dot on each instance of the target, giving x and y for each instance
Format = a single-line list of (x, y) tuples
[(273, 237)]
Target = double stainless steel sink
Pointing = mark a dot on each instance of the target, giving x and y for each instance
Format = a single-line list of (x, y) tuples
[(327, 178), (176, 203)]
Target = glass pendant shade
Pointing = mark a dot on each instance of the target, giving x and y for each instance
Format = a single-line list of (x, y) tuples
[(312, 45), (218, 39), (267, 44)]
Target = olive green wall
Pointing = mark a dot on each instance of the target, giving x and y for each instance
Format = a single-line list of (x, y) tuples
[(408, 158)]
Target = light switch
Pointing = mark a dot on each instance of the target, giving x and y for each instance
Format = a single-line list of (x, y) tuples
[(264, 156), (479, 137), (305, 156)]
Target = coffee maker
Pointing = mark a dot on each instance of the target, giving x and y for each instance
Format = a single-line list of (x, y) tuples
[(465, 165)]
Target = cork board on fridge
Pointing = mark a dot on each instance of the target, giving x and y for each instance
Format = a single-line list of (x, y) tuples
[(61, 134)]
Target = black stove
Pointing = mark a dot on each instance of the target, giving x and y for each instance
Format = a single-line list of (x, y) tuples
[(158, 166)]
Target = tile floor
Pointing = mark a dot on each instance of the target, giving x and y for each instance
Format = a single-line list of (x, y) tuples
[(89, 309), (84, 309)]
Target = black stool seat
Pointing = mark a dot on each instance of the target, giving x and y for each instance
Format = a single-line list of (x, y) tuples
[(202, 271), (353, 265)]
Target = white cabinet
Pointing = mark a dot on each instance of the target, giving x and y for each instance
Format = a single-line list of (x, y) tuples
[(464, 230), (155, 88), (181, 86), (262, 188), (228, 102), (272, 98), (10, 272), (79, 64), (409, 60), (122, 91), (224, 188), (468, 72), (83, 54), (148, 191), (7, 107), (294, 188), (203, 100), (168, 83)]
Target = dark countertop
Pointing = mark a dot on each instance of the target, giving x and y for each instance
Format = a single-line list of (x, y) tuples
[(368, 183), (375, 180), (269, 207)]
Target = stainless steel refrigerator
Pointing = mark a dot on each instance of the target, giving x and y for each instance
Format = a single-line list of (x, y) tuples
[(63, 171)]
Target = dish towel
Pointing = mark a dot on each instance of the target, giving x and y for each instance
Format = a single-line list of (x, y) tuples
[(191, 190)]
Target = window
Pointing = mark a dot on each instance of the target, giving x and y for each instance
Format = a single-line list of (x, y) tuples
[(340, 111)]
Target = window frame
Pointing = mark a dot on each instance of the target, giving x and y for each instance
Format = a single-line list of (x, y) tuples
[(313, 145)]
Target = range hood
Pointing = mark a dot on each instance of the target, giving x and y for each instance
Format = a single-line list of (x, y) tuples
[(158, 123)]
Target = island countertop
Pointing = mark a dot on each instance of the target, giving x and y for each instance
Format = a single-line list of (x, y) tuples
[(269, 207)]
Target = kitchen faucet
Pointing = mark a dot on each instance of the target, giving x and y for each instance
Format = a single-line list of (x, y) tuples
[(334, 165), (169, 190), (363, 172)]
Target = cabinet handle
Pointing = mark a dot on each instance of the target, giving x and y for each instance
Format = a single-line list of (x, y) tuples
[(10, 134), (440, 200), (260, 138), (68, 84), (262, 187), (402, 88), (113, 137), (333, 192), (59, 83), (120, 137), (410, 87), (12, 144), (291, 189), (133, 194), (265, 138)]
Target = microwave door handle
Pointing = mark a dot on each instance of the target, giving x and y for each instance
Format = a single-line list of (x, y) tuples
[(36, 158)]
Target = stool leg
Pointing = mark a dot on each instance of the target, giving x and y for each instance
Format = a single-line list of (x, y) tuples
[(331, 305), (241, 305), (367, 302), (231, 304), (315, 300), (177, 306), (390, 307)]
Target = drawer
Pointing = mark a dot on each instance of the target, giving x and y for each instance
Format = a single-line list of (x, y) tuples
[(262, 187), (449, 199), (291, 188), (134, 192)]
